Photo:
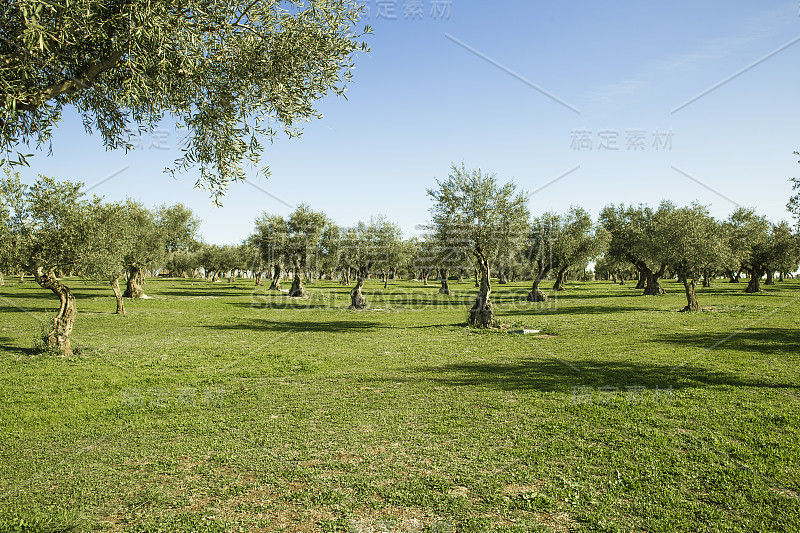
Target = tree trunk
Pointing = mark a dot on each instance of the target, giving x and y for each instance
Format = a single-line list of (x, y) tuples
[(297, 290), (536, 294), (641, 282), (385, 274), (691, 295), (477, 282), (754, 284), (135, 286), (22, 277), (425, 273), (59, 337), (445, 289), (502, 279), (559, 284), (117, 295), (653, 283), (780, 278), (277, 272), (770, 277), (258, 276), (461, 275), (357, 300), (482, 313), (2, 281), (707, 278)]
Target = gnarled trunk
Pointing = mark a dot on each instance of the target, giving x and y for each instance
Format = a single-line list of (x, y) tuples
[(707, 275), (117, 295), (258, 276), (482, 313), (559, 284), (135, 286), (653, 282), (770, 277), (536, 294), (425, 273), (477, 279), (357, 300), (502, 278), (59, 337), (276, 278), (691, 295), (297, 290), (445, 288), (754, 284)]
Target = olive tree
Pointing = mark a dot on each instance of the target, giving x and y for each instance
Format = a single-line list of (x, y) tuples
[(55, 228), (227, 72), (690, 240), (272, 233), (480, 210), (635, 235), (750, 234), (305, 227)]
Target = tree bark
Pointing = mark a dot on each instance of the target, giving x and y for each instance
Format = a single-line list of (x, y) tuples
[(652, 282), (2, 281), (297, 290), (357, 300), (707, 278), (691, 295), (754, 284), (502, 279), (445, 289), (135, 286), (536, 294), (559, 284), (258, 276), (425, 274), (276, 278), (770, 277), (482, 313), (477, 279), (59, 337), (385, 274), (641, 282), (117, 295)]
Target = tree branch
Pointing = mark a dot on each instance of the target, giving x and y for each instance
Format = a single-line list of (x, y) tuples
[(71, 84)]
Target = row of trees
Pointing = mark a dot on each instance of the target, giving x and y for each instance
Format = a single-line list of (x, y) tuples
[(477, 226), (50, 229)]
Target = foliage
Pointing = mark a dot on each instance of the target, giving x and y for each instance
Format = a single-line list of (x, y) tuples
[(228, 72), (472, 211)]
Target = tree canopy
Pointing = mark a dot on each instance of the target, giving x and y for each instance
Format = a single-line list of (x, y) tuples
[(230, 73)]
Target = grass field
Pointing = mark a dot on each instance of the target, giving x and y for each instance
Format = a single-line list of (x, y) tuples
[(214, 407)]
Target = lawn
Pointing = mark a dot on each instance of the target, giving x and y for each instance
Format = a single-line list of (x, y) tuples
[(222, 407)]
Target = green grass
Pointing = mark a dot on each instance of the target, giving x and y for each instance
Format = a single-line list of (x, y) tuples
[(217, 407)]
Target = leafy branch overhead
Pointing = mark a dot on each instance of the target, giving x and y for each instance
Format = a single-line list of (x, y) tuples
[(230, 73)]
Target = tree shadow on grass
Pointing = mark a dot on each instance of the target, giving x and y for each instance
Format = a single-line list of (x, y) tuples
[(564, 376), (763, 340), (289, 303), (7, 346), (552, 307), (299, 326)]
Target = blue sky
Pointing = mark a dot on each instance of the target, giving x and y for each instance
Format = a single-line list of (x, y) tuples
[(580, 102)]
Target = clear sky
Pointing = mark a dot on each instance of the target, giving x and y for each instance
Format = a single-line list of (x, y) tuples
[(585, 103)]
